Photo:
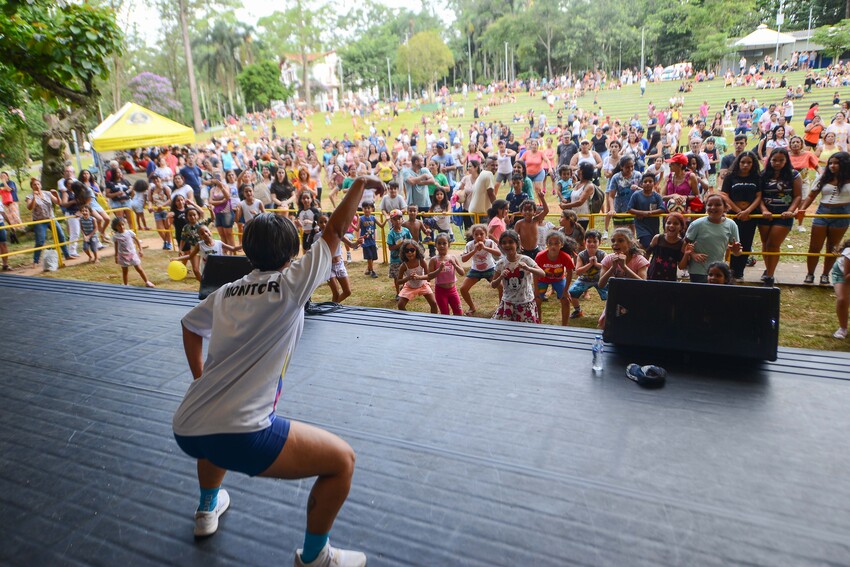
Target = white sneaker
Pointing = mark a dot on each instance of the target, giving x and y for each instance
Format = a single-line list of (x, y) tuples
[(801, 228), (206, 523), (840, 334), (605, 235), (332, 557)]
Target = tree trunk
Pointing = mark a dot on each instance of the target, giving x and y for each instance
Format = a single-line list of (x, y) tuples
[(116, 83), (230, 99), (190, 67), (54, 147), (305, 76)]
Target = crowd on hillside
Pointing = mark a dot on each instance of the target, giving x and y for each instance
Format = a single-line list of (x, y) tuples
[(494, 179)]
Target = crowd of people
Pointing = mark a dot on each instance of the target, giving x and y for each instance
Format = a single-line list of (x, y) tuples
[(489, 185)]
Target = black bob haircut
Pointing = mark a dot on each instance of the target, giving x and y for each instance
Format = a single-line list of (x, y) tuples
[(270, 241)]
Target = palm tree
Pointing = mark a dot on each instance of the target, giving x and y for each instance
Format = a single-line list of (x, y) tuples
[(219, 52), (190, 67)]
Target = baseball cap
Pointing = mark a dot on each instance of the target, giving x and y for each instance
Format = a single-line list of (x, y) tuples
[(681, 159), (396, 213), (441, 145)]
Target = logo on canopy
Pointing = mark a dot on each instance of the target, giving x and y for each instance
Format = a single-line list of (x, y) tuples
[(139, 117)]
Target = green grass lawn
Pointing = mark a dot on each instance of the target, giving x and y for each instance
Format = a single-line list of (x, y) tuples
[(623, 104)]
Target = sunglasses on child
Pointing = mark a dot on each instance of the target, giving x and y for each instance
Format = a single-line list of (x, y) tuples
[(406, 250)]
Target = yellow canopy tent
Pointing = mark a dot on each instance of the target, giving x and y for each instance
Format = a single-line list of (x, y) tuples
[(135, 126)]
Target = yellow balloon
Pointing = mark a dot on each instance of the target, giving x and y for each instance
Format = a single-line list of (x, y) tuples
[(177, 270)]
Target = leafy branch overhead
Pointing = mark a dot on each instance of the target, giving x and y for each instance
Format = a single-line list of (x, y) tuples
[(58, 50)]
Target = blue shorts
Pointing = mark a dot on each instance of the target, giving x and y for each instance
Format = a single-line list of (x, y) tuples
[(579, 287), (370, 252), (2, 233), (558, 287), (833, 223), (481, 274), (541, 175), (249, 453), (160, 216), (224, 220), (91, 245)]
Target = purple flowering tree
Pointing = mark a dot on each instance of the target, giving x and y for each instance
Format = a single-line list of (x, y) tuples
[(154, 92)]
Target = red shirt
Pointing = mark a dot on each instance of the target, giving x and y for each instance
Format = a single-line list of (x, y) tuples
[(556, 270)]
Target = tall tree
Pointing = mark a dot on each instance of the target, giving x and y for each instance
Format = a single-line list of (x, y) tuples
[(297, 30), (56, 51), (218, 53), (427, 57), (190, 65), (260, 84)]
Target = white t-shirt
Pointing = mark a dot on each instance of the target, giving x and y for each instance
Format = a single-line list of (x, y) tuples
[(253, 326), (184, 191), (480, 201), (483, 260), (518, 286), (206, 250)]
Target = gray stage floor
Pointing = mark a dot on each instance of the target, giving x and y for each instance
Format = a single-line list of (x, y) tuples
[(478, 443)]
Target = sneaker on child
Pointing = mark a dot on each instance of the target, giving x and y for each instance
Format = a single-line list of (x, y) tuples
[(332, 557), (840, 334)]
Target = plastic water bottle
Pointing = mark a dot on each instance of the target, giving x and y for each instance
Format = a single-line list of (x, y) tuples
[(597, 349)]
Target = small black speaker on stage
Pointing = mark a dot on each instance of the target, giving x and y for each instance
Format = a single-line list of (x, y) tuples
[(222, 270), (741, 321)]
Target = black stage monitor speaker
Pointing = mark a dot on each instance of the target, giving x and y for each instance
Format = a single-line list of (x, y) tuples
[(741, 321), (222, 270)]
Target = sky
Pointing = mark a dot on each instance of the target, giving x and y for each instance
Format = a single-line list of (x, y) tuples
[(142, 14)]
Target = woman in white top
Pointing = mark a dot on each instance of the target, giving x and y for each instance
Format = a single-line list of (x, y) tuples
[(585, 154), (505, 167), (582, 192), (778, 140), (841, 130), (834, 189), (612, 160)]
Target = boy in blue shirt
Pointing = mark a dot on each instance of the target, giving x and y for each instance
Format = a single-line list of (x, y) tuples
[(647, 206), (367, 234), (394, 237)]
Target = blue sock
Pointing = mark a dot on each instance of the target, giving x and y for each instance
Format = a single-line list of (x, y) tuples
[(209, 498), (313, 546)]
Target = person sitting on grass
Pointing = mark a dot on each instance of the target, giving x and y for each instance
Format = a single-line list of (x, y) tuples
[(227, 418)]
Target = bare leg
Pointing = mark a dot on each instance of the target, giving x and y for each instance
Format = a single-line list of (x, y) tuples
[(310, 451), (833, 239), (125, 274), (334, 290), (432, 302), (464, 292), (402, 303), (842, 303), (345, 287), (565, 309), (775, 237), (209, 475), (815, 245)]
